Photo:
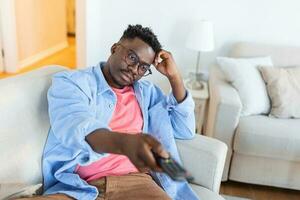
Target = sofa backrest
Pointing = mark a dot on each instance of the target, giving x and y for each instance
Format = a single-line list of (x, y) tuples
[(24, 125), (281, 55)]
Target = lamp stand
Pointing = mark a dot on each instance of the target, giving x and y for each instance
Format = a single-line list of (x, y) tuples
[(194, 81)]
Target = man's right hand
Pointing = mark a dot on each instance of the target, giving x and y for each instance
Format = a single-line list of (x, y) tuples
[(137, 147)]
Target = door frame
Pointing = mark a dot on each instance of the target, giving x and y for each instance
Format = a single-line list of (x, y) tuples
[(1, 58), (80, 31), (9, 35)]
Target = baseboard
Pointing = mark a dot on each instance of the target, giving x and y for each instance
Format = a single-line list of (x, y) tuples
[(43, 54)]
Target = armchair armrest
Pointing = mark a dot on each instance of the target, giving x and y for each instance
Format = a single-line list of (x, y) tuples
[(224, 111), (204, 157)]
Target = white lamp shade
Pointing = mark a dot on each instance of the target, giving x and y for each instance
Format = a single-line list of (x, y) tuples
[(201, 37)]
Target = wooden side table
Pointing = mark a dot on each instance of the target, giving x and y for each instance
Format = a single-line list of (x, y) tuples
[(201, 100)]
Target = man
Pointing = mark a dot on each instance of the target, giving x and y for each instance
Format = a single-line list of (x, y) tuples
[(106, 123)]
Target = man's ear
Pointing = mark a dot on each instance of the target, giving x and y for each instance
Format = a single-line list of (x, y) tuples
[(113, 48)]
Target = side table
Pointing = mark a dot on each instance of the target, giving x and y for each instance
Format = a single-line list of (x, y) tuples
[(200, 97)]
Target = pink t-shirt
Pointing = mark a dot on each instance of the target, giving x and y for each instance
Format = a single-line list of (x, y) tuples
[(127, 118)]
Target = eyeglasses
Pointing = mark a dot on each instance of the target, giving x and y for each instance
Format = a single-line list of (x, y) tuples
[(132, 59)]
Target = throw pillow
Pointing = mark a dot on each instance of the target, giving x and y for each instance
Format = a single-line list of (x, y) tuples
[(244, 75), (283, 85)]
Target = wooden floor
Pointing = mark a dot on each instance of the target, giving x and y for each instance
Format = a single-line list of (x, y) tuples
[(257, 192), (65, 57)]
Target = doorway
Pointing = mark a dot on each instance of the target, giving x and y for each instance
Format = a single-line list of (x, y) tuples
[(45, 34)]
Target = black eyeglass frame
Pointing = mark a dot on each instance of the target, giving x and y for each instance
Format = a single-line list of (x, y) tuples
[(130, 62)]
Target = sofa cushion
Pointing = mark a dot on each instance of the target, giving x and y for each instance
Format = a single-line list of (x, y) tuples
[(268, 137), (19, 190), (24, 125), (283, 86), (244, 75)]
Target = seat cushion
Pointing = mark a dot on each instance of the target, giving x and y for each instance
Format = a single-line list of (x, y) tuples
[(18, 190), (268, 137), (23, 190), (205, 193)]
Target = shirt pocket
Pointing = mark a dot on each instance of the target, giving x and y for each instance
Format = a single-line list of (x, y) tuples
[(104, 109)]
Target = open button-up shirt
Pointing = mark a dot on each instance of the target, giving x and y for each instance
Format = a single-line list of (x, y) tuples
[(81, 102)]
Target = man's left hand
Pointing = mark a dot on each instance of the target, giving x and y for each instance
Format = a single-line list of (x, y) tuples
[(167, 65)]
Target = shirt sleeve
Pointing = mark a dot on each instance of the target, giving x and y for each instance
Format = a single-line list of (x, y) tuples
[(71, 115), (181, 114)]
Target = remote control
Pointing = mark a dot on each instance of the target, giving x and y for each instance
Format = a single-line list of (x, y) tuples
[(172, 168)]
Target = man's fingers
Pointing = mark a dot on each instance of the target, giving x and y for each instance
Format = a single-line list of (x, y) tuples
[(157, 61), (157, 147), (163, 54), (160, 151), (150, 161), (144, 169), (139, 164)]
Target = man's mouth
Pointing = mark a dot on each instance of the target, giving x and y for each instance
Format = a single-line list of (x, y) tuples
[(127, 77)]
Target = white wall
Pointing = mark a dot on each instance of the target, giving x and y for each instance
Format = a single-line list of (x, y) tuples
[(266, 21)]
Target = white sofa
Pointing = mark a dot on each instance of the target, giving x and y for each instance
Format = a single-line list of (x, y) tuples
[(24, 127), (261, 150)]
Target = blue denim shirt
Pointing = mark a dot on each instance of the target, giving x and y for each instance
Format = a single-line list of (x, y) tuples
[(80, 102)]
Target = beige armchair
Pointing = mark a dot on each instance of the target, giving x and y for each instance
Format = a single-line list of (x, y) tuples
[(261, 150)]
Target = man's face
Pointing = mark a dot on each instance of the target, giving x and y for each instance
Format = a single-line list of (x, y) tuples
[(121, 71)]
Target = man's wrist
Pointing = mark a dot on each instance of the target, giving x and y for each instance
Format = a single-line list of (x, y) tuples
[(174, 78), (176, 82), (178, 88), (105, 141)]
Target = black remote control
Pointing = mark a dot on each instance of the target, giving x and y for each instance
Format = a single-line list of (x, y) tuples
[(172, 168)]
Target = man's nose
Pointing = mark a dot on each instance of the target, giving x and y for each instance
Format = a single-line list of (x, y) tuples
[(134, 68)]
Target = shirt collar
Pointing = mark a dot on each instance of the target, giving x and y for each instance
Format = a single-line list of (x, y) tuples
[(102, 83)]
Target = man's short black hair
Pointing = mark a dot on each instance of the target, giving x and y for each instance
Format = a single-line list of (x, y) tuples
[(143, 33)]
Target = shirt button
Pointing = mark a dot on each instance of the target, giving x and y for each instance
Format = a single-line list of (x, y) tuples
[(98, 93), (110, 105)]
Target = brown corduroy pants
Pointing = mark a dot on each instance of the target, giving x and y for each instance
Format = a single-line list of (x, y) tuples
[(126, 187)]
